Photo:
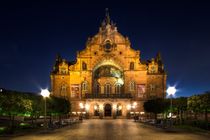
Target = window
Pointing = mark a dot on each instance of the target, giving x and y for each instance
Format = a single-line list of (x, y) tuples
[(84, 86), (117, 88), (152, 87), (131, 65), (153, 70), (98, 89), (141, 90), (108, 46), (75, 90), (63, 71), (107, 89), (132, 86), (84, 66), (63, 90)]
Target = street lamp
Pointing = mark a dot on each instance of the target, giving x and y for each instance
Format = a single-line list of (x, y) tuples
[(45, 93), (128, 110), (128, 107), (87, 108), (171, 91), (114, 111)]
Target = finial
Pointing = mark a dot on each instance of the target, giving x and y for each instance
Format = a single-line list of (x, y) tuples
[(107, 16), (58, 57), (158, 56)]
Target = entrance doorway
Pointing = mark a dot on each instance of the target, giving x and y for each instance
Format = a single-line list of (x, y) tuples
[(107, 110)]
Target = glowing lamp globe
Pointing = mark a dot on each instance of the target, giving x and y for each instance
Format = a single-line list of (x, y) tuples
[(45, 93), (87, 107), (171, 90), (135, 103), (95, 107), (114, 107), (128, 107), (81, 105)]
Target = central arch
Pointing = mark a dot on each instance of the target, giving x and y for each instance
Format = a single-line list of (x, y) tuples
[(108, 62), (108, 110)]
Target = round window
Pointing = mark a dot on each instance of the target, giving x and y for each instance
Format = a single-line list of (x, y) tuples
[(108, 46)]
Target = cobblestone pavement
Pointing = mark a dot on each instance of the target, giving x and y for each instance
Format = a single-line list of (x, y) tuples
[(120, 129)]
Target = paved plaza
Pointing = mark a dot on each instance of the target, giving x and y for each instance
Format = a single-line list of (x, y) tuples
[(119, 129)]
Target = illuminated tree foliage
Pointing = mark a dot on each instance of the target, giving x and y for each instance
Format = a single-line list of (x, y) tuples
[(13, 103), (194, 104), (205, 104)]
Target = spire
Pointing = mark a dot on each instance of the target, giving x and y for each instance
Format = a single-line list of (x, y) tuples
[(107, 25), (158, 57), (107, 18)]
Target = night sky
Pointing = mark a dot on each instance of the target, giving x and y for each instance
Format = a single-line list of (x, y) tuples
[(32, 33)]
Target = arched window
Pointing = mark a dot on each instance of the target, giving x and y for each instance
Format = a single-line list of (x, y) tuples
[(84, 66), (84, 86), (63, 90), (152, 87), (131, 65), (63, 71), (98, 89), (107, 89), (117, 88), (132, 86)]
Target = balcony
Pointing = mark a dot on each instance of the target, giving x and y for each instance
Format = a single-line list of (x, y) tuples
[(127, 95)]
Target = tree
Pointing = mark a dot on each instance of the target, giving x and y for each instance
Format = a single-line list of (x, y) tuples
[(180, 104), (12, 104), (194, 104), (57, 106), (156, 106), (205, 105)]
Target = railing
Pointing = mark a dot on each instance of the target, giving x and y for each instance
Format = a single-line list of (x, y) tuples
[(127, 95)]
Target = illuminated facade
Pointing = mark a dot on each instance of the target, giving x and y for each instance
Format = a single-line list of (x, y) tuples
[(108, 77)]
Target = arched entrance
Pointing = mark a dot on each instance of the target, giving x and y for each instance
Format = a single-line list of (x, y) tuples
[(107, 110)]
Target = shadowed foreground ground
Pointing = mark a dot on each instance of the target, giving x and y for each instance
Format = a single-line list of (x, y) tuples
[(120, 129)]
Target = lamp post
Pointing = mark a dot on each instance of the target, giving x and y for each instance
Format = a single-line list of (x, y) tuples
[(114, 111), (87, 108), (128, 111), (81, 106), (45, 93), (171, 91), (101, 111)]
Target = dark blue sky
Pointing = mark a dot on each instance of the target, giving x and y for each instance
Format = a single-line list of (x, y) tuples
[(32, 33)]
